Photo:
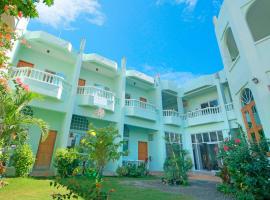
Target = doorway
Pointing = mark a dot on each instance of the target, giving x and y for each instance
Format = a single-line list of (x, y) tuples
[(142, 151), (45, 151)]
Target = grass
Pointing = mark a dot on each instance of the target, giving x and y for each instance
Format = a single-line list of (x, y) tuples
[(32, 189)]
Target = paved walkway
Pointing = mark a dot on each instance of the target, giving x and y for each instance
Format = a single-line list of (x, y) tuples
[(199, 189)]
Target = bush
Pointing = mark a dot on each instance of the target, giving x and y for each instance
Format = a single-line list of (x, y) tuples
[(66, 161), (23, 160), (176, 168), (133, 170), (246, 168)]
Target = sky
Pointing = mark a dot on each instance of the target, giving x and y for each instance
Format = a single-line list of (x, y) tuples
[(172, 38)]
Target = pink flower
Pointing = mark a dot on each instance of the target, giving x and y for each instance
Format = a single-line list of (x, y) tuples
[(237, 141), (26, 88), (226, 148), (19, 81)]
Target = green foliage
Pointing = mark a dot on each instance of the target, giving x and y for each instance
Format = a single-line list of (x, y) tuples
[(101, 145), (246, 168), (176, 168), (66, 161), (14, 122), (25, 8), (133, 170), (61, 196), (23, 160)]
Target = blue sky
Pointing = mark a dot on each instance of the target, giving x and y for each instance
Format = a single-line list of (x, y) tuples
[(173, 38)]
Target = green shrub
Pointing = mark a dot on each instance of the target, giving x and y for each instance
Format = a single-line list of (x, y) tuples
[(176, 168), (66, 161), (246, 168), (23, 160), (133, 170)]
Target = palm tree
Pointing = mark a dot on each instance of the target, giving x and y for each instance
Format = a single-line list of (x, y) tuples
[(14, 121)]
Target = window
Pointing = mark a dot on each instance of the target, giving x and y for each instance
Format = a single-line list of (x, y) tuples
[(127, 96), (213, 103), (257, 18), (173, 143), (79, 123), (126, 140), (231, 45)]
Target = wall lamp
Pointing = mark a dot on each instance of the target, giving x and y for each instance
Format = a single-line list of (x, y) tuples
[(255, 80)]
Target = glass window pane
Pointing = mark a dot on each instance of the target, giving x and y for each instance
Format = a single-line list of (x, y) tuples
[(220, 136), (213, 136), (256, 115), (214, 103), (205, 137), (193, 139), (199, 138), (248, 119)]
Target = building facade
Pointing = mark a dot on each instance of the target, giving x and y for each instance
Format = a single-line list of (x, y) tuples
[(77, 88)]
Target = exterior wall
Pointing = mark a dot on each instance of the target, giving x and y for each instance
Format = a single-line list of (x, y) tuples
[(148, 121), (253, 61)]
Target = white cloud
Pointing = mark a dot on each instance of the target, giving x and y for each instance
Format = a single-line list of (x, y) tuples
[(64, 12), (165, 73), (189, 4)]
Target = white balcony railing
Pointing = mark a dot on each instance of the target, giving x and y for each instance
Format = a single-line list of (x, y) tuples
[(173, 113), (140, 105), (229, 107), (204, 112), (96, 92), (39, 75)]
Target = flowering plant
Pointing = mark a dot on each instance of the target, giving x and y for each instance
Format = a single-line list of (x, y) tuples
[(246, 169)]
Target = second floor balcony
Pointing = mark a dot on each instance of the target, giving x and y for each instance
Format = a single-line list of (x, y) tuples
[(172, 117), (204, 116), (140, 109), (41, 82), (230, 111), (96, 97)]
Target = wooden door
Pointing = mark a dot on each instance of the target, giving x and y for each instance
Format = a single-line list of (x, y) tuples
[(254, 129), (81, 82), (23, 63), (45, 151), (142, 151)]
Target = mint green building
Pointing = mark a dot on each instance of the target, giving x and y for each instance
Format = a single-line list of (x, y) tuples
[(77, 88)]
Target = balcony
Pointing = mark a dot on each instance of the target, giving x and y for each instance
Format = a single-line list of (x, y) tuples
[(42, 82), (230, 111), (96, 97), (139, 109), (204, 116), (172, 117)]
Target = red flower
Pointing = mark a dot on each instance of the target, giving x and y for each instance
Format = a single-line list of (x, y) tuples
[(237, 141), (226, 148), (20, 14)]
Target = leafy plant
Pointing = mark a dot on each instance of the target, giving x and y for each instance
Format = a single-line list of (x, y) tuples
[(176, 168), (66, 161), (133, 170), (102, 146), (246, 168), (23, 160)]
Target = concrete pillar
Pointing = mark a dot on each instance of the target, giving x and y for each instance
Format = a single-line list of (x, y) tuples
[(71, 100)]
